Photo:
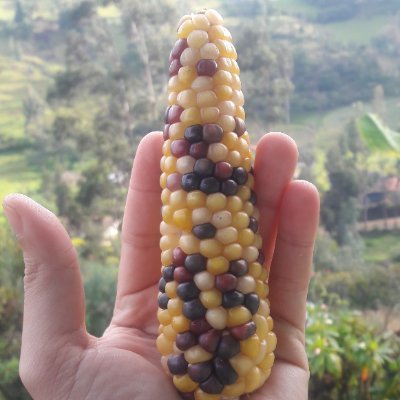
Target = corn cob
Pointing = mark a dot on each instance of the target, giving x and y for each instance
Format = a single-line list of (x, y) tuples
[(215, 335)]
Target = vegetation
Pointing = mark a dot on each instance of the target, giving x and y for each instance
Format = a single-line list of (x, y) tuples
[(82, 81)]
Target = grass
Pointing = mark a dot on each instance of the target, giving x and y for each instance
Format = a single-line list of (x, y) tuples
[(381, 247)]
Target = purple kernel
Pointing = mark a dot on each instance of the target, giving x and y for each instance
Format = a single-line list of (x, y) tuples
[(224, 371), (232, 299), (209, 340), (174, 67), (166, 131), (198, 150), (178, 256), (261, 257), (206, 67), (185, 340), (212, 385), (244, 331), (252, 302), (180, 148), (168, 273), (174, 182), (228, 347), (187, 396), (190, 182), (229, 187), (223, 170), (195, 263), (199, 372), (163, 300), (177, 364), (194, 133), (240, 126), (187, 291), (181, 275), (240, 175), (253, 197), (200, 326), (179, 46), (204, 231), (173, 114), (212, 133), (253, 224), (161, 285), (225, 282), (209, 185), (193, 309), (204, 167), (238, 267)]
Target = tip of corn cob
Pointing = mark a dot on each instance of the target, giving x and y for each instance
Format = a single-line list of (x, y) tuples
[(215, 334)]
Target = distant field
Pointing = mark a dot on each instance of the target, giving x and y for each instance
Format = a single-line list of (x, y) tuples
[(381, 247)]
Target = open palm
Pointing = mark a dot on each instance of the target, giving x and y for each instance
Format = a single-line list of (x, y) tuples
[(60, 360)]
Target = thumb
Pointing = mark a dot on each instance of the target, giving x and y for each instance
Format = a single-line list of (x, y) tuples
[(54, 298)]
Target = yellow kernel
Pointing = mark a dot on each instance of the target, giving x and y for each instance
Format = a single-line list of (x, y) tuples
[(271, 342), (234, 390), (234, 158), (163, 180), (264, 310), (267, 362), (225, 64), (253, 379), (197, 38), (175, 85), (236, 84), (217, 317), (214, 17), (189, 243), (211, 298), (247, 163), (227, 235), (184, 383), (270, 323), (185, 29), (187, 74), (209, 115), (202, 83), (261, 289), (172, 98), (217, 152), (244, 193), (238, 99), (238, 316), (229, 139), (261, 326), (246, 136), (241, 364), (221, 219), (224, 48), (177, 199), (176, 131), (201, 216), (170, 289), (210, 248), (189, 58), (209, 51), (261, 353), (196, 199), (240, 112), (264, 275), (240, 220), (200, 395), (223, 92), (207, 98), (191, 116), (180, 323), (163, 316), (170, 332), (175, 306), (168, 242), (250, 181), (242, 147), (217, 265), (165, 194), (182, 20), (227, 107), (166, 257), (187, 98), (169, 164), (219, 32), (255, 269), (222, 77), (164, 345), (197, 354), (246, 237), (234, 204), (232, 251), (183, 219), (167, 213), (200, 21), (216, 202), (251, 346), (227, 123), (248, 208)]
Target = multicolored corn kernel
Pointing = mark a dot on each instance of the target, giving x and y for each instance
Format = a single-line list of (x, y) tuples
[(216, 336)]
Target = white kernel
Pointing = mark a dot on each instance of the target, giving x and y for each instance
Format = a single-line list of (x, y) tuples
[(200, 21), (227, 235), (234, 158), (190, 57), (189, 244), (236, 84), (237, 97), (202, 83), (227, 123), (207, 98), (250, 253), (221, 219), (204, 280), (176, 131), (167, 229), (209, 115), (209, 51), (197, 39), (187, 98), (217, 152), (217, 317), (246, 284), (201, 216), (197, 354), (185, 164), (182, 20), (263, 310), (227, 107), (214, 17)]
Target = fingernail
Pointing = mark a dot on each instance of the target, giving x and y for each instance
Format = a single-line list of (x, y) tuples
[(15, 221)]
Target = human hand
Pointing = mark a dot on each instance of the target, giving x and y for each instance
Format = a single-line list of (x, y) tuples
[(61, 360)]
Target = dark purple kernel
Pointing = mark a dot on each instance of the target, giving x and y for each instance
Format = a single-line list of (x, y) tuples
[(229, 187), (194, 133), (212, 385), (178, 48), (198, 150), (225, 282), (228, 347), (253, 197), (168, 273), (200, 326), (178, 256), (163, 301), (185, 340), (166, 114), (223, 170), (181, 275), (204, 231), (206, 67), (174, 67), (161, 285), (209, 185), (212, 133), (195, 263), (209, 340), (190, 182), (180, 148), (174, 114), (187, 291), (251, 170), (240, 175), (240, 126), (261, 257), (177, 364), (187, 396), (253, 224), (166, 132), (224, 371), (199, 372), (244, 331), (238, 267), (203, 167), (252, 302), (232, 299), (193, 309)]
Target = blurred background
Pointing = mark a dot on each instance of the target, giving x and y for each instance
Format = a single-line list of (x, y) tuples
[(82, 81)]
